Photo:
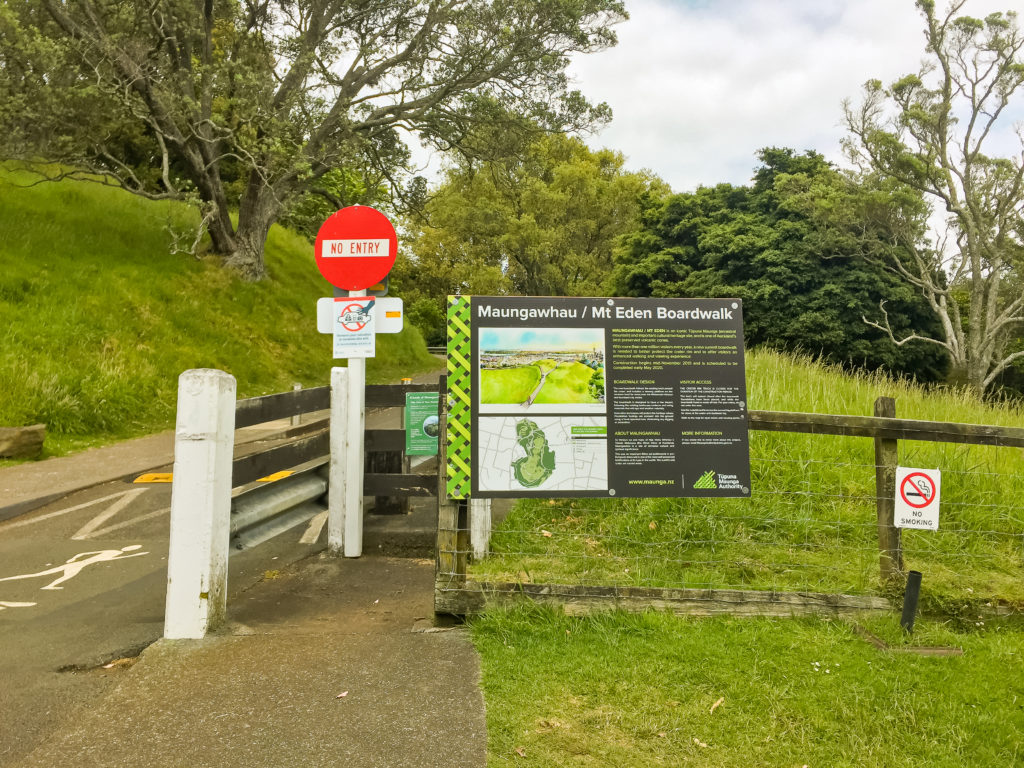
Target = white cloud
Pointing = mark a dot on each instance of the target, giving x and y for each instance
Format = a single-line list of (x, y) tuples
[(698, 87)]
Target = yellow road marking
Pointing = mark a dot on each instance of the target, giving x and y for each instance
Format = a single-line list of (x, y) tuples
[(154, 477)]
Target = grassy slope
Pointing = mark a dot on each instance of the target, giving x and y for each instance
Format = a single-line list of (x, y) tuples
[(508, 385), (624, 690), (569, 383), (98, 318)]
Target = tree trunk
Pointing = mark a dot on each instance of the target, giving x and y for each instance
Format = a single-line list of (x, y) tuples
[(222, 233), (257, 211)]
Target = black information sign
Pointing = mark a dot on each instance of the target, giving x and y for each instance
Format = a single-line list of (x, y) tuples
[(607, 397)]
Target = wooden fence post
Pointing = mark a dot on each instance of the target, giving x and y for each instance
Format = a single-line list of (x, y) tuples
[(452, 538), (890, 556), (480, 526)]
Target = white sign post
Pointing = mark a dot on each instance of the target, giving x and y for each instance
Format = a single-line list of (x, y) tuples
[(354, 321), (917, 498)]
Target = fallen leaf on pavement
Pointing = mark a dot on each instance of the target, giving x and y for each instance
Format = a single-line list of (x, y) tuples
[(126, 662)]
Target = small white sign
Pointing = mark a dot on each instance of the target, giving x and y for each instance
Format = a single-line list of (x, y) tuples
[(917, 498), (353, 327), (388, 315), (355, 249)]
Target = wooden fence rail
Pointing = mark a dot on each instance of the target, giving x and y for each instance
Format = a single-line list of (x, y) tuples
[(454, 594)]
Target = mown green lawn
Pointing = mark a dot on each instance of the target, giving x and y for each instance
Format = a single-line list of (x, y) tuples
[(641, 690), (568, 383), (508, 385)]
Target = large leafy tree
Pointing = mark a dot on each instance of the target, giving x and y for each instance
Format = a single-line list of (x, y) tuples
[(933, 131), (792, 246), (259, 100), (541, 220)]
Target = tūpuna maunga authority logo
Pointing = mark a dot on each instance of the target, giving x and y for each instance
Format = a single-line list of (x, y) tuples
[(706, 481)]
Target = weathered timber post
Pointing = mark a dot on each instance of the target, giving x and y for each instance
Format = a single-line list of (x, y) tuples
[(297, 418), (197, 557), (890, 555), (480, 526), (452, 536)]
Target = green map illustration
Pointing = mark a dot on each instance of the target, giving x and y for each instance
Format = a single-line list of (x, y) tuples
[(539, 462)]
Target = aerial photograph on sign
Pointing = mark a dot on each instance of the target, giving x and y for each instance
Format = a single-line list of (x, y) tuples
[(542, 370)]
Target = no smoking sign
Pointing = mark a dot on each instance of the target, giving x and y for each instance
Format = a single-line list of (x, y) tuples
[(917, 498)]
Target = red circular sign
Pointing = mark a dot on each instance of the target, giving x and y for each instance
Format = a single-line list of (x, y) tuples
[(917, 490), (355, 248)]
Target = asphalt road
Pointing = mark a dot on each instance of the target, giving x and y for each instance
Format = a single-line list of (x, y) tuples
[(82, 584)]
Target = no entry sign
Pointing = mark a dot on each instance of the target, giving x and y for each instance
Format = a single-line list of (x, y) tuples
[(356, 248), (917, 498)]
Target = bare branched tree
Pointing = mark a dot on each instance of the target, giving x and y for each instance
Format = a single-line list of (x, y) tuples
[(932, 131)]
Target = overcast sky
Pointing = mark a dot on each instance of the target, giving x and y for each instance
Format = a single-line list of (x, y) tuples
[(698, 86)]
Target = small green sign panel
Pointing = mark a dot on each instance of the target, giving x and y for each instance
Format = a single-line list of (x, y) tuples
[(421, 423)]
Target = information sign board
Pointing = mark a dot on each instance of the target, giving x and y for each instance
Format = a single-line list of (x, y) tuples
[(422, 424), (596, 397), (917, 498), (353, 327)]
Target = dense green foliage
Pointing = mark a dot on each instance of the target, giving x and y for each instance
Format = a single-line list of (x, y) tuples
[(537, 222), (98, 318), (262, 103), (794, 246)]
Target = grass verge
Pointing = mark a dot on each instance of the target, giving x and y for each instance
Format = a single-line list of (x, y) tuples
[(627, 690)]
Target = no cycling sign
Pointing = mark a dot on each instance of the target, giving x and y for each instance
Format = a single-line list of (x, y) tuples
[(917, 498)]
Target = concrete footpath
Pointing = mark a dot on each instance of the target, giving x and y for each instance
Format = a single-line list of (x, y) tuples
[(330, 662), (325, 662)]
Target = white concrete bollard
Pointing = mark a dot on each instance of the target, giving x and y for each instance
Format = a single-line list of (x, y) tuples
[(197, 558), (480, 527), (336, 477)]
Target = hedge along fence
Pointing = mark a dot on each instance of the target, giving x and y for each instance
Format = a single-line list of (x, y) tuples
[(816, 536)]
